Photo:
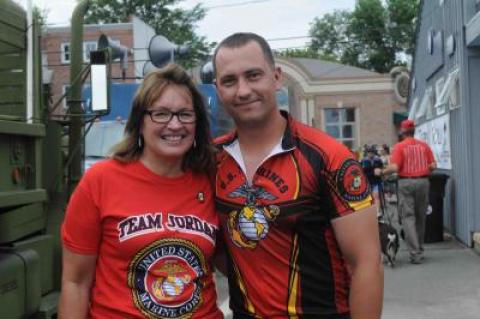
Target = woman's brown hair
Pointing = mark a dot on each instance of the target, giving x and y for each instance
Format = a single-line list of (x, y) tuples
[(199, 157)]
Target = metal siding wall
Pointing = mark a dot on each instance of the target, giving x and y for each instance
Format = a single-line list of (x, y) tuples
[(450, 28), (460, 196), (460, 176), (460, 137), (474, 116)]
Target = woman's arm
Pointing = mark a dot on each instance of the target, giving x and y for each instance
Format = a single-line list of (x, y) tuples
[(77, 278)]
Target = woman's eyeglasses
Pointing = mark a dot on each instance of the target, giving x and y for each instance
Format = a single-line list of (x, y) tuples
[(165, 116)]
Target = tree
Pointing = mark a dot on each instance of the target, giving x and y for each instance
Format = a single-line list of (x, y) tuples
[(40, 16), (174, 23), (304, 53), (377, 35), (329, 34)]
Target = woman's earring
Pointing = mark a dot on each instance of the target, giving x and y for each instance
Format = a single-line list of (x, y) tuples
[(140, 142), (194, 143)]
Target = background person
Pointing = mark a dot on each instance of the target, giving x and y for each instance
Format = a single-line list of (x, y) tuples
[(370, 162), (295, 206), (413, 161), (385, 154), (139, 232)]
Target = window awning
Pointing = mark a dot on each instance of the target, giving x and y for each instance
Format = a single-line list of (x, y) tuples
[(448, 87), (472, 31), (399, 116)]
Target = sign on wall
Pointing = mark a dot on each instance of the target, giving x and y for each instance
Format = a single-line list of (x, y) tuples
[(436, 133)]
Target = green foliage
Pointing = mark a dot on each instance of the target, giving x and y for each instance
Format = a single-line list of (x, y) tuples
[(329, 33), (40, 16), (177, 25), (373, 36), (305, 53)]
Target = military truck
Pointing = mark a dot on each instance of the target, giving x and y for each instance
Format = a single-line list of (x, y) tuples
[(36, 174)]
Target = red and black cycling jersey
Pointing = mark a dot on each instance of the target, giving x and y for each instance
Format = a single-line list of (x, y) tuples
[(284, 261)]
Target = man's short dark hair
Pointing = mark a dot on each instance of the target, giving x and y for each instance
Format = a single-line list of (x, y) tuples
[(240, 39)]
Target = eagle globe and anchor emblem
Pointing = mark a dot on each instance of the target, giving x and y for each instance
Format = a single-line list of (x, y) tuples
[(250, 225), (171, 281)]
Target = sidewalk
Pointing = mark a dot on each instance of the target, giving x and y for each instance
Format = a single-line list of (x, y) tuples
[(445, 286)]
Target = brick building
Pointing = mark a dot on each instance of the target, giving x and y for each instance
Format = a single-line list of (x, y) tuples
[(354, 105), (135, 35)]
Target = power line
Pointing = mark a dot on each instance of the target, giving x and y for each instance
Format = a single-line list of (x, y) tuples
[(289, 38), (236, 4)]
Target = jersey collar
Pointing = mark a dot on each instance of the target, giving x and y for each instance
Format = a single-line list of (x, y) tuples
[(232, 145)]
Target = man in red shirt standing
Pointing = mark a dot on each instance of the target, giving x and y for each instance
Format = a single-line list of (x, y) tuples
[(296, 210), (413, 160)]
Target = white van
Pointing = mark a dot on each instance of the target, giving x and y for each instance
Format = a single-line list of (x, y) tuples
[(100, 139)]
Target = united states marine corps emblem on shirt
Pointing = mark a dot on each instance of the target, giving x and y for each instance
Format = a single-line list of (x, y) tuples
[(351, 181), (163, 279), (250, 224)]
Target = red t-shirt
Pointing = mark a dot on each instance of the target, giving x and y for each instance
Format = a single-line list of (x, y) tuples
[(284, 261), (154, 238), (412, 157)]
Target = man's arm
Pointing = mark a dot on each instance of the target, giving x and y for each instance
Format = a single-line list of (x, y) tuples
[(390, 169), (358, 239), (77, 278)]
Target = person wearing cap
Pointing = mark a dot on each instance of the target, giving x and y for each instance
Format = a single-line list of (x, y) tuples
[(370, 162), (413, 161)]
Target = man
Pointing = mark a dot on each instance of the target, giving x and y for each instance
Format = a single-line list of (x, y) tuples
[(413, 161), (301, 232)]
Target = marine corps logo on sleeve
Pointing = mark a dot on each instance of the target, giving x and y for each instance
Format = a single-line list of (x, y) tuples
[(352, 182), (250, 225)]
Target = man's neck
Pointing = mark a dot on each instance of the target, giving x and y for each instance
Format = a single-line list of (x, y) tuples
[(262, 138), (256, 143)]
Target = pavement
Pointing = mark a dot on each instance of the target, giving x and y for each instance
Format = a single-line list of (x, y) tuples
[(445, 286)]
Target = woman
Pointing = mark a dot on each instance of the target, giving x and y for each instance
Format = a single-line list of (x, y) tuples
[(139, 232), (385, 155)]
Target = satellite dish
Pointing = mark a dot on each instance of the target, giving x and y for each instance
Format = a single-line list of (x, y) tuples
[(206, 73), (161, 51)]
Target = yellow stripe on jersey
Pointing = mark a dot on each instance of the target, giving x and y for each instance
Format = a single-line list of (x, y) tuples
[(297, 177), (293, 282), (241, 285), (367, 202)]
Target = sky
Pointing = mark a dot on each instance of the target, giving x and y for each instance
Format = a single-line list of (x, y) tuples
[(275, 20)]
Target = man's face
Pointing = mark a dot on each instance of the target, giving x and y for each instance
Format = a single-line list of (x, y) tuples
[(246, 84)]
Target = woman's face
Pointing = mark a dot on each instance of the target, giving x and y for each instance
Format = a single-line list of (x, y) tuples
[(169, 140)]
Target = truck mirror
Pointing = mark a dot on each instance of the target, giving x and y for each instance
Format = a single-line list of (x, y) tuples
[(99, 82)]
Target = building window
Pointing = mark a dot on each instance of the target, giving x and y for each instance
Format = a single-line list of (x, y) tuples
[(65, 89), (340, 124), (66, 51)]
